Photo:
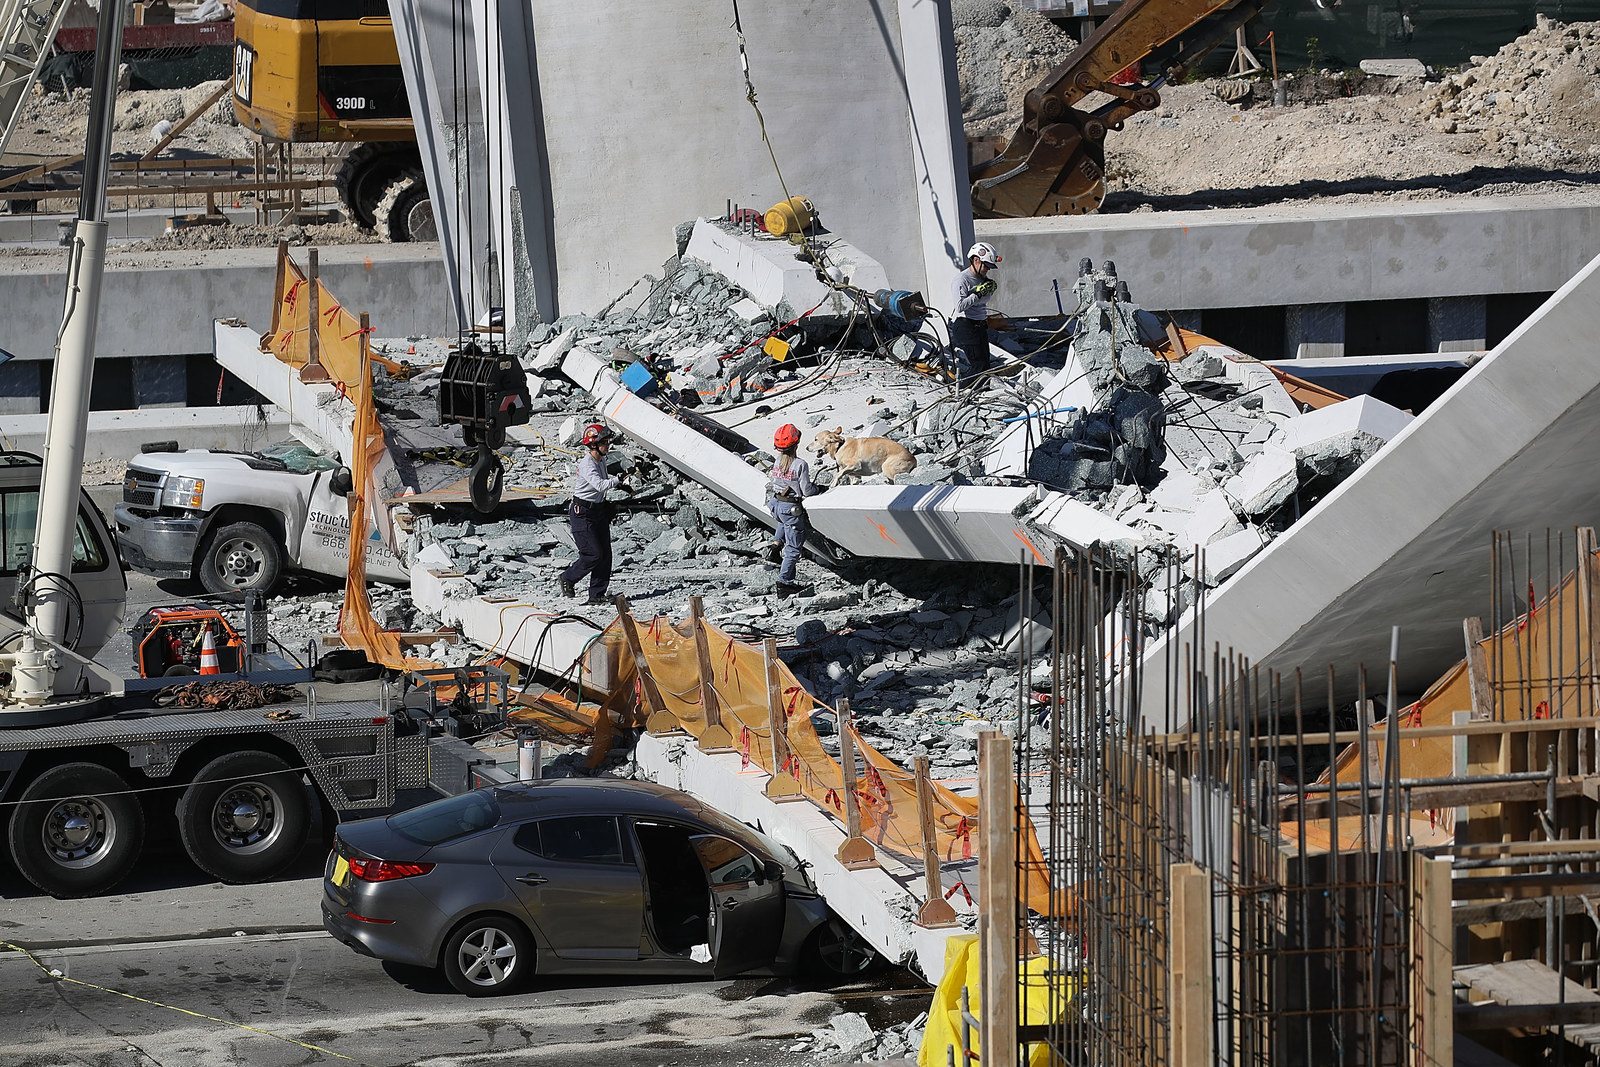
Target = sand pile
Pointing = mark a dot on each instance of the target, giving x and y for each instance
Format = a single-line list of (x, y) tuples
[(1002, 50)]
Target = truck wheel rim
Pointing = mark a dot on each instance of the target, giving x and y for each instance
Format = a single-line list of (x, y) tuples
[(487, 957), (78, 831), (245, 818), (240, 562)]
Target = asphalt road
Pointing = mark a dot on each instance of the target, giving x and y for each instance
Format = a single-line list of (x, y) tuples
[(299, 990), (174, 969)]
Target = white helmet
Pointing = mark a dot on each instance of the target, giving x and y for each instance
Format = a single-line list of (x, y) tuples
[(984, 252)]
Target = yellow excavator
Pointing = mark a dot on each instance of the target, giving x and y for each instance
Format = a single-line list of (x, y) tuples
[(1055, 163), (328, 71)]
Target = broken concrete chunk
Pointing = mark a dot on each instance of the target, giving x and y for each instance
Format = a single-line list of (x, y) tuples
[(1395, 68), (1197, 366), (1269, 478), (1225, 556), (549, 355), (1212, 520)]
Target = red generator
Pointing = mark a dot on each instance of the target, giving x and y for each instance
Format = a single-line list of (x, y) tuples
[(167, 641)]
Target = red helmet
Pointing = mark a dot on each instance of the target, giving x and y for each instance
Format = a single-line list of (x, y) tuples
[(786, 437), (595, 434)]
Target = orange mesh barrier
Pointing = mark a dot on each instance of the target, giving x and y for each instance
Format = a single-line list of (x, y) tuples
[(1539, 663), (887, 792), (343, 352)]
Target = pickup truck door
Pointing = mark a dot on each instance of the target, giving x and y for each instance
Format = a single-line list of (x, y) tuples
[(325, 537)]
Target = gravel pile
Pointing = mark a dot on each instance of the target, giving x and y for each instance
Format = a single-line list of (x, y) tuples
[(1002, 50), (1536, 101)]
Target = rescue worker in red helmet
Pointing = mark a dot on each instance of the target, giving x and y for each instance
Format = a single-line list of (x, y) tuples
[(589, 516), (790, 483)]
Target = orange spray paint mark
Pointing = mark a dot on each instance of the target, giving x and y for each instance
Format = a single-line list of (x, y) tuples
[(882, 532), (1020, 536)]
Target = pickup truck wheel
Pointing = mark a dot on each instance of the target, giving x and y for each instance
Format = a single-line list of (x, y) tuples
[(245, 817), (76, 830), (240, 556)]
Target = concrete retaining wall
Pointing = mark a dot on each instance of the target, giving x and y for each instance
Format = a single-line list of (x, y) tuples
[(1258, 257), (160, 304)]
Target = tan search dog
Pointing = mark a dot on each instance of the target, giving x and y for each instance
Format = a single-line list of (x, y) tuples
[(858, 457)]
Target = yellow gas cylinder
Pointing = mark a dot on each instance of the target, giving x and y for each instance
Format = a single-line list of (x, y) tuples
[(791, 216)]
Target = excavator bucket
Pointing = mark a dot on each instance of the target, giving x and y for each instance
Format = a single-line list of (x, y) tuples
[(1056, 171)]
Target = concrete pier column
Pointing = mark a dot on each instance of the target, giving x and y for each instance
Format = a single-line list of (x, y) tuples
[(1458, 323), (1314, 331)]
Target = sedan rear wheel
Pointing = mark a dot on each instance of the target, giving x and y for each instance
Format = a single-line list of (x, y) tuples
[(488, 956)]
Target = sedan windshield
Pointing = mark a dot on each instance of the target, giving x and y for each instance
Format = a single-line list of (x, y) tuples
[(448, 819)]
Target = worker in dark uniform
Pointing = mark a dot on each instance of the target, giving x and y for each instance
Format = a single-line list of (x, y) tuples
[(590, 518), (969, 322), (788, 486)]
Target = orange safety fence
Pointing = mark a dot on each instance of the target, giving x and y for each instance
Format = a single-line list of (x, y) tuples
[(1540, 665), (887, 792), (342, 351)]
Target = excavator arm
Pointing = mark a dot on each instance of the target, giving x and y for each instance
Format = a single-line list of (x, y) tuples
[(1055, 163)]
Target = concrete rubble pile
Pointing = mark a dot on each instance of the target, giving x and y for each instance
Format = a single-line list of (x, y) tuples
[(1534, 102), (1194, 453), (850, 1038)]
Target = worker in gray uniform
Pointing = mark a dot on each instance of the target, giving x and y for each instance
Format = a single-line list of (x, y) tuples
[(969, 323), (789, 485), (589, 515)]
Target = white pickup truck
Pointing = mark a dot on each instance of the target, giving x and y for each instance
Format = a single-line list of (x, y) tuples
[(236, 521)]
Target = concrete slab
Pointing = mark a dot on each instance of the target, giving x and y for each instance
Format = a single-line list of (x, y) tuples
[(1286, 255), (1405, 540), (163, 304), (934, 522), (118, 434), (773, 271)]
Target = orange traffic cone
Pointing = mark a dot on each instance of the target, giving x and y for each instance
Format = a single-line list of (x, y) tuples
[(208, 655)]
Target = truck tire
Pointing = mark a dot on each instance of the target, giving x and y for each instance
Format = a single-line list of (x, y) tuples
[(76, 830), (366, 171), (241, 556), (405, 213), (244, 817)]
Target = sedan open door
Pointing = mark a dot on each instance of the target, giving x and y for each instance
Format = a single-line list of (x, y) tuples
[(747, 907)]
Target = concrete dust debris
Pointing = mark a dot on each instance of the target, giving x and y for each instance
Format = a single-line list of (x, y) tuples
[(1003, 48)]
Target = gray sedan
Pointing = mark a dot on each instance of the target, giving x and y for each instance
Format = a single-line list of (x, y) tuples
[(574, 876)]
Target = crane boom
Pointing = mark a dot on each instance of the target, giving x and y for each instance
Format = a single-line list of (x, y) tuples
[(1055, 163)]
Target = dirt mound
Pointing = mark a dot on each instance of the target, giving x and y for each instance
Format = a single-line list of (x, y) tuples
[(1535, 101), (1002, 50), (193, 237)]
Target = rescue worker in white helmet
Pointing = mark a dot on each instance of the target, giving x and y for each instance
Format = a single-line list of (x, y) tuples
[(969, 323), (789, 485)]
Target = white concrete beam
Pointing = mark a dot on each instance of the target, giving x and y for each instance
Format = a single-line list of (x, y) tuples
[(879, 903), (1405, 541), (771, 269)]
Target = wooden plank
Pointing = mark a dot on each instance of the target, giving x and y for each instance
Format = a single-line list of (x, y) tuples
[(660, 721), (1191, 986), (782, 785), (1523, 886), (935, 911), (1410, 733), (1490, 849), (855, 852), (715, 737), (997, 900), (1470, 791), (1590, 621), (1505, 911), (1432, 937), (1526, 1016), (1478, 670)]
